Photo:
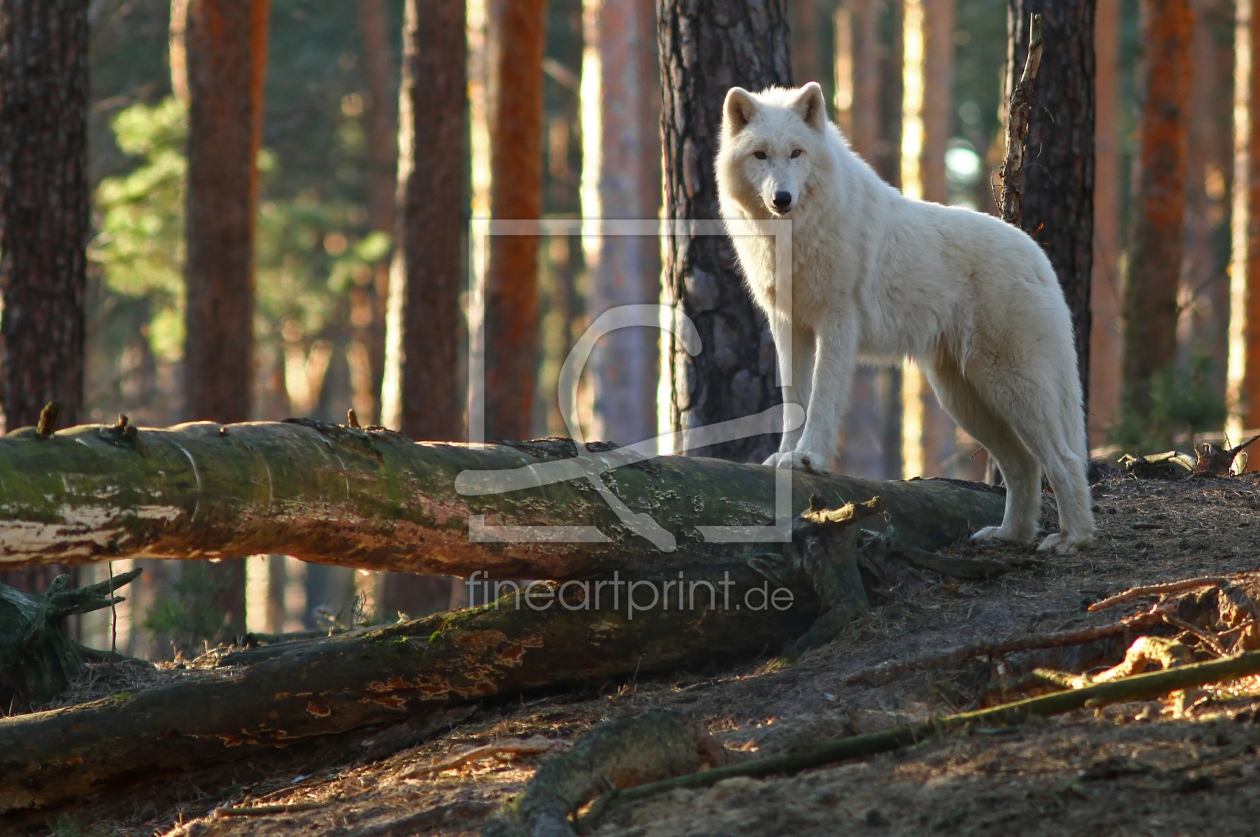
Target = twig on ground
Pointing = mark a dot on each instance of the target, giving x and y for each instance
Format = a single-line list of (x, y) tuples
[(513, 746), (267, 810), (1160, 590), (1138, 621), (1137, 687)]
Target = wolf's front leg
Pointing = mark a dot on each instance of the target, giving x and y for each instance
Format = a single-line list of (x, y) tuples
[(796, 370), (835, 358)]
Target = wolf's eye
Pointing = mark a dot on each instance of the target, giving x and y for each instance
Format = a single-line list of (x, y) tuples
[(760, 155), (796, 153)]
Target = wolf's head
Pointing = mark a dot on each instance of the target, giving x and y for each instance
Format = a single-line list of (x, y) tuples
[(772, 142)]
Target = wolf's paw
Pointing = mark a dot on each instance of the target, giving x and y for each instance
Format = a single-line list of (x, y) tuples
[(1061, 544), (991, 534), (800, 461)]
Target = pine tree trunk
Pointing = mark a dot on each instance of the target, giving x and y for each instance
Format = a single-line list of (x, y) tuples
[(511, 282), (803, 21), (226, 52), (1150, 298), (1244, 317), (421, 393), (624, 364), (1104, 334), (44, 222), (44, 200), (928, 433), (869, 80), (368, 299), (1058, 204), (1205, 267), (706, 48)]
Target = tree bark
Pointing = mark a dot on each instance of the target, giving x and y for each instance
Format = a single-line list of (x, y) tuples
[(44, 196), (1244, 285), (705, 49), (421, 394), (368, 300), (1204, 325), (615, 174), (1154, 270), (511, 283), (1058, 202), (376, 500), (44, 216), (1104, 335), (226, 52)]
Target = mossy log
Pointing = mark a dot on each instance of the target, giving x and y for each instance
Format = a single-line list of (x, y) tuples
[(374, 499), (385, 675)]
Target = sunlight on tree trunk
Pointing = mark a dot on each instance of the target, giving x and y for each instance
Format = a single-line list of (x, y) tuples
[(927, 435), (422, 395), (615, 155), (1244, 292), (1104, 348), (225, 46), (1154, 268), (367, 298), (868, 102)]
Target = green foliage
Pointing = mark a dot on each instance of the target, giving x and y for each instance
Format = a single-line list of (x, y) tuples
[(1183, 401), (185, 613), (140, 247)]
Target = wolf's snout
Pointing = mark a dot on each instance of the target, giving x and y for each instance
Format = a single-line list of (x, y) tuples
[(782, 200)]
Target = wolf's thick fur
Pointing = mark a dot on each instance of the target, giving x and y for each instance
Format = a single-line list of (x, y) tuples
[(973, 300)]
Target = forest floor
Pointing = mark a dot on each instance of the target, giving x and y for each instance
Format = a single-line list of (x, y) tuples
[(1149, 768)]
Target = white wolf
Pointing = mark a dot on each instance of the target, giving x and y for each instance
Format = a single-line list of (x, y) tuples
[(973, 300)]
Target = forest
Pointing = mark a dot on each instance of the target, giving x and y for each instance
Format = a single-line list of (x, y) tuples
[(351, 351)]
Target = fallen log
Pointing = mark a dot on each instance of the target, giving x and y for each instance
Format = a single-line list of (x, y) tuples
[(547, 634), (387, 675), (374, 499)]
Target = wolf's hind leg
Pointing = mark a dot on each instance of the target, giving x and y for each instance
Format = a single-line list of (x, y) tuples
[(1055, 429), (1020, 469)]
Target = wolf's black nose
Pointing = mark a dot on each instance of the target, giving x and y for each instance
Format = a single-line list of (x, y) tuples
[(782, 200)]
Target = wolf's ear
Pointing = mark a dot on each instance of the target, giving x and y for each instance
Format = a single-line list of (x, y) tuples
[(739, 109), (811, 107)]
